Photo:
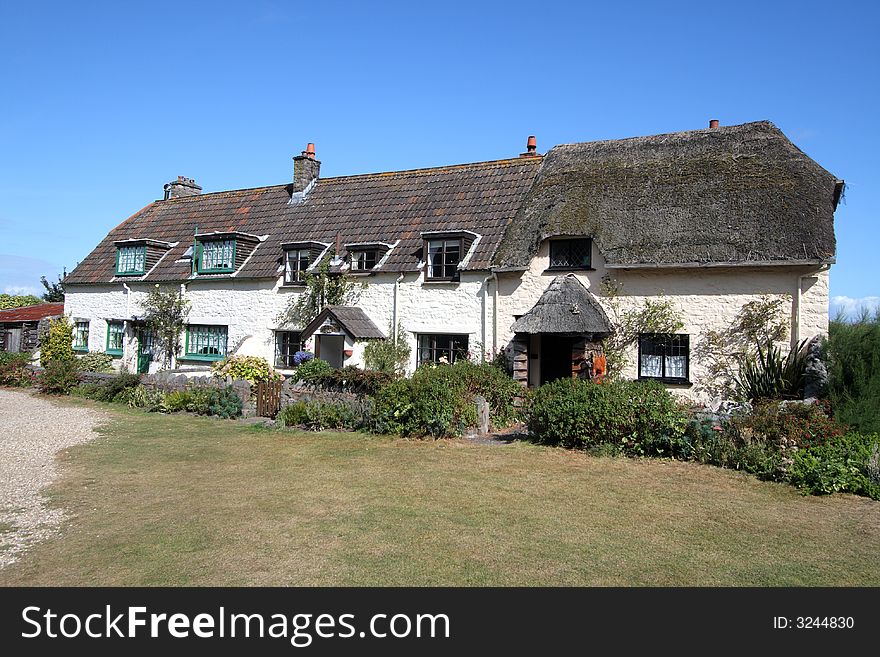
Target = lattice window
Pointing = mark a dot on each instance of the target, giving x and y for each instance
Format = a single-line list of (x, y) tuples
[(206, 342), (131, 260), (443, 258), (218, 256), (664, 357), (571, 254), (442, 348)]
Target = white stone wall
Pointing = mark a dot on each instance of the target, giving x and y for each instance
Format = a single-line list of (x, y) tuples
[(250, 309), (706, 298)]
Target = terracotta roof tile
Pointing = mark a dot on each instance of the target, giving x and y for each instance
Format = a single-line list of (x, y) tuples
[(31, 313)]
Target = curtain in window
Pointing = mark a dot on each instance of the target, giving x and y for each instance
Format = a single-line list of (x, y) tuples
[(651, 365)]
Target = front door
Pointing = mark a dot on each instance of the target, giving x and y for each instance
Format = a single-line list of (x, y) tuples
[(13, 340), (145, 350), (329, 349), (555, 357)]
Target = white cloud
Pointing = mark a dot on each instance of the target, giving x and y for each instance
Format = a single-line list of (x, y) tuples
[(21, 290), (851, 308)]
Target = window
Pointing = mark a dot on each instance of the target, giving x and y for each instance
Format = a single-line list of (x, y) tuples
[(131, 260), (443, 258), (296, 262), (81, 336), (364, 260), (217, 256), (287, 343), (115, 341), (206, 342), (571, 254), (664, 357), (438, 348)]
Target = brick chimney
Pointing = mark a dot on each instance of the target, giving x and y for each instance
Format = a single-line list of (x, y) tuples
[(713, 123), (181, 187), (531, 147), (305, 169)]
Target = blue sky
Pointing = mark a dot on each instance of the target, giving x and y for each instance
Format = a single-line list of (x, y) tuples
[(102, 103)]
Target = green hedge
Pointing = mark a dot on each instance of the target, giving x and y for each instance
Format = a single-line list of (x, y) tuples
[(846, 464), (632, 417)]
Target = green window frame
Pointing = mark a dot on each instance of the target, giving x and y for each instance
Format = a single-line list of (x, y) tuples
[(131, 260), (206, 342), (115, 338), (217, 257), (81, 336)]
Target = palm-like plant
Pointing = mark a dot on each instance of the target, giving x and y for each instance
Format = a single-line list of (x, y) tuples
[(768, 375)]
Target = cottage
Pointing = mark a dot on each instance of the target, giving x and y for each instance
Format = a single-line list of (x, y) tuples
[(20, 327), (474, 258)]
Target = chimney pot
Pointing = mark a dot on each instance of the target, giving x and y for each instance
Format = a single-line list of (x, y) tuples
[(531, 147), (713, 123), (181, 187)]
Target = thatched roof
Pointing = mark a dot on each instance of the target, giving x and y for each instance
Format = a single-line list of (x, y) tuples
[(738, 194), (565, 307), (352, 320)]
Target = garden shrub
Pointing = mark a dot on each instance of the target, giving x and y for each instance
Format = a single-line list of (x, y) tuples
[(222, 402), (348, 379), (301, 357), (58, 377), (56, 342), (767, 374), (720, 444), (89, 391), (318, 415), (853, 355), (142, 397), (113, 389), (640, 418), (849, 464), (96, 361), (388, 356), (311, 370), (15, 370), (175, 401), (250, 368), (789, 424), (439, 401)]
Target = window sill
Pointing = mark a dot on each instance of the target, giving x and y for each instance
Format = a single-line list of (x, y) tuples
[(214, 271), (294, 284), (81, 350), (130, 273), (202, 357), (113, 352), (429, 281), (685, 383)]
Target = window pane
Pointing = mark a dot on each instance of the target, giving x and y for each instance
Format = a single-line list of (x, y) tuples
[(449, 348), (207, 340), (114, 336), (287, 343), (131, 260), (572, 254), (218, 254), (651, 366), (676, 367)]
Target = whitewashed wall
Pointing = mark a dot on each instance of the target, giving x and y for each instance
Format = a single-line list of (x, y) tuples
[(705, 298)]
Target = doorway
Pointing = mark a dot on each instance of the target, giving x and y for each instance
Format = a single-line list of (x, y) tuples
[(329, 349), (145, 351), (556, 355)]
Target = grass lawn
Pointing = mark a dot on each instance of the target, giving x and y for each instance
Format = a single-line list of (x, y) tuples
[(173, 500)]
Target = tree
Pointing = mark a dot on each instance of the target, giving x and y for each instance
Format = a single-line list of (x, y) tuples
[(166, 314), (322, 289), (56, 341), (17, 300), (54, 291), (657, 317)]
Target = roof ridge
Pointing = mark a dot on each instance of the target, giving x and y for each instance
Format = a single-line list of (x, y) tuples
[(721, 128), (464, 165)]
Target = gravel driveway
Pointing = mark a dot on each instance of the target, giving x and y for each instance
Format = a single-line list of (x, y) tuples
[(32, 431)]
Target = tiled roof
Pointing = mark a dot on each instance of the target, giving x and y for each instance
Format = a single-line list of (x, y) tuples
[(353, 320), (31, 313), (386, 207)]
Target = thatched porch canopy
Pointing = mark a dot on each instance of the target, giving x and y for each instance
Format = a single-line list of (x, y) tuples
[(566, 307), (735, 195)]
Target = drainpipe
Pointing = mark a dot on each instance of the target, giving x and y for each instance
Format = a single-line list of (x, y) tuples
[(495, 314), (394, 309), (485, 319), (127, 316)]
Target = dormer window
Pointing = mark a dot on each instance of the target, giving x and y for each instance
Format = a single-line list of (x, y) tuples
[(443, 258), (568, 254), (364, 260), (299, 257), (217, 256), (131, 260), (296, 262)]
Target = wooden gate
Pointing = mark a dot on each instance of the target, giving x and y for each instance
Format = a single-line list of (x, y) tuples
[(268, 398)]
